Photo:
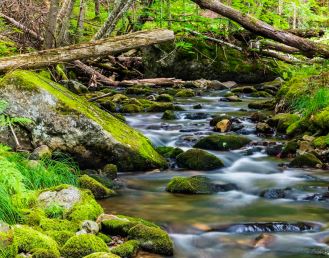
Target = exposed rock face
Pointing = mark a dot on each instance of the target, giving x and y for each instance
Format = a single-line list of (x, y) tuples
[(66, 122)]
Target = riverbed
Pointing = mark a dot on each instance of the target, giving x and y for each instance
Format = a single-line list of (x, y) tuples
[(226, 224)]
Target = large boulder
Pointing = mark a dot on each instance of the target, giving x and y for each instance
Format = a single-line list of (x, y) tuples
[(66, 122)]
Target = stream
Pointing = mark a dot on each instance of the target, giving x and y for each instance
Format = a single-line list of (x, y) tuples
[(226, 224)]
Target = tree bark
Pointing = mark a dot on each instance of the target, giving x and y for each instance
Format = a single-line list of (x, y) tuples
[(50, 34), (307, 47), (63, 22), (94, 49)]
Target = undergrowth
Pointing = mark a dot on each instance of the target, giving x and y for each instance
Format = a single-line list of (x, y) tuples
[(20, 178)]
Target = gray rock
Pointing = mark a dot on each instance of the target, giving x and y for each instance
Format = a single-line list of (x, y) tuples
[(90, 227), (41, 152), (66, 197)]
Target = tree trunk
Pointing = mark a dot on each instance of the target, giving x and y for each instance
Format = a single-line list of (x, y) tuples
[(63, 22), (50, 34), (97, 8), (81, 20), (307, 47), (94, 49)]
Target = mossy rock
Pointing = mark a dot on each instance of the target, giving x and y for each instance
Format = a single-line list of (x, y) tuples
[(152, 239), (138, 91), (32, 217), (289, 149), (185, 93), (105, 238), (86, 209), (218, 118), (283, 121), (28, 239), (119, 98), (131, 108), (107, 104), (261, 94), (69, 123), (321, 142), (161, 107), (263, 104), (82, 245), (98, 189), (42, 253), (306, 160), (244, 89), (127, 249), (199, 160), (169, 152), (321, 119), (191, 185), (8, 247), (165, 98), (102, 255), (122, 224), (222, 142), (169, 115), (110, 170), (58, 224), (60, 236)]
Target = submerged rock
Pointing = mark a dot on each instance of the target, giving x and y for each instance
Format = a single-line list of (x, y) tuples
[(263, 128), (196, 116), (274, 193), (222, 142), (68, 123), (199, 160)]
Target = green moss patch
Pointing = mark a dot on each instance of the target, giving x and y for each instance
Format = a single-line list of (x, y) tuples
[(98, 190), (222, 142)]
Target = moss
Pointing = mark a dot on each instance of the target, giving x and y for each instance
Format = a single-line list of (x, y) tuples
[(127, 249), (86, 209), (55, 211), (261, 94), (8, 248), (138, 91), (60, 236), (244, 89), (165, 98), (144, 154), (222, 142), (122, 225), (264, 104), (131, 108), (32, 217), (321, 142), (322, 119), (185, 93), (105, 238), (42, 253), (28, 239), (58, 224), (305, 160), (110, 170), (102, 255), (152, 239), (81, 245), (98, 190), (199, 160), (190, 185), (169, 115), (161, 107), (119, 98), (107, 104), (283, 121), (169, 152), (289, 149)]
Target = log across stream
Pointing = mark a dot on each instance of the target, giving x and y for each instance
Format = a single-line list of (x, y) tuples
[(227, 224)]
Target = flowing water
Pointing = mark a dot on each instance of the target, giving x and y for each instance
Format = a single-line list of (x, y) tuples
[(226, 224)]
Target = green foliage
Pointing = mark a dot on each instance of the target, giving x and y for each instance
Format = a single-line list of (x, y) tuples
[(19, 178), (6, 120), (54, 211)]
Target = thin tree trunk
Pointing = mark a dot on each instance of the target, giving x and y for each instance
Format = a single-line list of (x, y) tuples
[(97, 8), (307, 47), (81, 20), (63, 23), (94, 49), (50, 35)]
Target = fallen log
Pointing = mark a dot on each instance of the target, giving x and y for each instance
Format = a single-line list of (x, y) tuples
[(306, 46), (307, 33), (82, 51), (93, 73), (272, 45)]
